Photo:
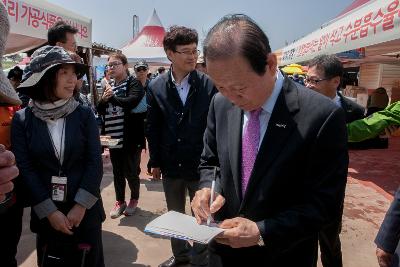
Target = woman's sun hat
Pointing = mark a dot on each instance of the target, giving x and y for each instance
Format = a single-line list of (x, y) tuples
[(43, 60)]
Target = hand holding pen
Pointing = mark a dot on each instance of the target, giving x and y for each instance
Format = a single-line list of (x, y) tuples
[(204, 204)]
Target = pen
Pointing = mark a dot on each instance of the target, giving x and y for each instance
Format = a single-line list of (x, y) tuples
[(212, 195)]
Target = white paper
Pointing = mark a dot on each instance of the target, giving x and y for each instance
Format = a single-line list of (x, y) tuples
[(182, 226)]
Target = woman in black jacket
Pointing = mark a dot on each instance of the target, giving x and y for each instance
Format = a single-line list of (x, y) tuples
[(57, 149), (122, 123)]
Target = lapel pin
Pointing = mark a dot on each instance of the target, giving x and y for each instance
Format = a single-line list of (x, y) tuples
[(280, 125)]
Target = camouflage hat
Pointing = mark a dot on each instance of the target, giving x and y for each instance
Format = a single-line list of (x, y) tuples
[(141, 63), (44, 59)]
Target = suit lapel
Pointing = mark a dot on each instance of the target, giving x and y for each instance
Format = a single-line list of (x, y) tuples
[(46, 141), (70, 132), (280, 127), (235, 115)]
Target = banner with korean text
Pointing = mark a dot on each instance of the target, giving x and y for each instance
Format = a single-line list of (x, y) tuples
[(30, 21), (373, 23)]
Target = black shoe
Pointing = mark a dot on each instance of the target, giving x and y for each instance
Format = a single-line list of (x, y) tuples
[(172, 262)]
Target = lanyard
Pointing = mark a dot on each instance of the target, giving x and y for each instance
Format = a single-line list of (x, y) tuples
[(58, 154)]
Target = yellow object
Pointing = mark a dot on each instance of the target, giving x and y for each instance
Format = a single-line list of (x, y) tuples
[(293, 68)]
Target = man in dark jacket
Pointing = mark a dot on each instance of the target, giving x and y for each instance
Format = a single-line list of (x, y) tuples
[(280, 150), (324, 76), (177, 117), (121, 123)]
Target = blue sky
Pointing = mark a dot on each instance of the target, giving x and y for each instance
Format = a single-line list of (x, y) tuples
[(282, 20)]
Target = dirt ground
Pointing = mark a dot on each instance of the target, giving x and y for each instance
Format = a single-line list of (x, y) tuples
[(372, 182)]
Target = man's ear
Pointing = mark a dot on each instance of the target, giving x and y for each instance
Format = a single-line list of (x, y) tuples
[(272, 62), (169, 54), (336, 80)]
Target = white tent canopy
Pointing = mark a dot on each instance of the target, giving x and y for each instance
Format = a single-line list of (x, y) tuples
[(148, 43), (375, 22), (30, 21)]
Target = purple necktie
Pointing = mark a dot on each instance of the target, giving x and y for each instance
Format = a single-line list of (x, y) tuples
[(250, 141)]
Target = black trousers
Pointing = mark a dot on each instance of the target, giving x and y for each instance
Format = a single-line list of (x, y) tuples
[(330, 245), (10, 233), (175, 195), (92, 236), (125, 166)]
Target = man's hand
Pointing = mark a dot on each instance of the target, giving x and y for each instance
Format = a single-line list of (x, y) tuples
[(75, 215), (108, 92), (241, 232), (8, 171), (201, 204), (156, 173), (389, 131), (60, 222), (384, 258)]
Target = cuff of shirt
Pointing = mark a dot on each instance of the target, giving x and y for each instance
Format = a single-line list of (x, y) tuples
[(85, 198), (45, 208)]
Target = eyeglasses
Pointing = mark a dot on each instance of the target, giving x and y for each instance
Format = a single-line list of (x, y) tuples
[(113, 65), (141, 69), (314, 81), (189, 53)]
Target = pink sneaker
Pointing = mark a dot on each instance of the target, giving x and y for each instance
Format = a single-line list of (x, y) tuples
[(130, 209), (118, 209)]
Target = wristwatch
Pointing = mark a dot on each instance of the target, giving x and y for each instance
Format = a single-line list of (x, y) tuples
[(260, 241)]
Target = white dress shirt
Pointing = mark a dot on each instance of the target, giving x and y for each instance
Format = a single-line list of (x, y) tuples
[(182, 88), (337, 100), (57, 132), (267, 108)]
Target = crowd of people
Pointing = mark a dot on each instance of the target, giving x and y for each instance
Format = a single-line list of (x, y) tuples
[(276, 150)]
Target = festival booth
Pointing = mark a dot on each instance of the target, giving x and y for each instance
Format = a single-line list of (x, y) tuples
[(30, 20), (364, 35), (148, 44)]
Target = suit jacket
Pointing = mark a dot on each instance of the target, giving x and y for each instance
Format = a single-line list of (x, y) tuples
[(175, 131), (389, 233), (353, 111), (298, 180), (37, 162)]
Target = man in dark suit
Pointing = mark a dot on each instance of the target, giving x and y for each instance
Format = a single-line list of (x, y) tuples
[(388, 236), (177, 116), (324, 76), (281, 150)]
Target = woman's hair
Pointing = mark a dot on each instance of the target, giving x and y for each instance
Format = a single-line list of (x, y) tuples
[(15, 74), (120, 56)]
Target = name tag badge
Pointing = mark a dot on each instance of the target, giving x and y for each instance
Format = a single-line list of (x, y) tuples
[(59, 188)]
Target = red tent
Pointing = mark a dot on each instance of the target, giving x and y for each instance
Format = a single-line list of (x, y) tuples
[(148, 43)]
